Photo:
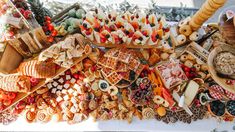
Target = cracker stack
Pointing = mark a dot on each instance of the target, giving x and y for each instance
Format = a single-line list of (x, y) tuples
[(205, 12)]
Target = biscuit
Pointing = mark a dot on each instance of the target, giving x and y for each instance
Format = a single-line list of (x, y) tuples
[(185, 30), (214, 5), (194, 26)]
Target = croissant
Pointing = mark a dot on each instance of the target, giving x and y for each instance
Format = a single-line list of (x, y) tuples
[(37, 69), (15, 83)]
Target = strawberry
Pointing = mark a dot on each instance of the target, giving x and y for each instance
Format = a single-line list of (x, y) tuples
[(187, 74), (34, 81), (50, 27), (27, 14), (193, 69)]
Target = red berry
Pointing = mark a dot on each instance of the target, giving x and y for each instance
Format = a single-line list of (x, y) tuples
[(187, 74), (88, 33), (93, 68), (11, 95), (186, 69), (76, 76), (27, 14), (21, 105), (68, 72), (16, 14), (21, 10), (193, 69), (11, 33)]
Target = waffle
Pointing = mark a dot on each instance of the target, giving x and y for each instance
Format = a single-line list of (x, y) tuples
[(114, 78), (121, 67)]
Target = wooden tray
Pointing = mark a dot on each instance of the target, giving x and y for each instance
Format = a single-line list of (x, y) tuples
[(21, 96), (219, 80)]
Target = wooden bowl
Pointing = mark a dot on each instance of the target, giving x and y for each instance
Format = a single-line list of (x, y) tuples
[(211, 68)]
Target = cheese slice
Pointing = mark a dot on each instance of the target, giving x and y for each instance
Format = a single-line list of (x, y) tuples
[(191, 92)]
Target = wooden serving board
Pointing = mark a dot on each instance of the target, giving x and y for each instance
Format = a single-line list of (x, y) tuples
[(43, 82), (211, 68)]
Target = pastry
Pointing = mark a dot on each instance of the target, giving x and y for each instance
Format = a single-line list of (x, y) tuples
[(185, 30), (43, 116), (161, 111), (181, 39), (148, 113), (37, 69), (30, 116), (15, 83), (194, 36), (42, 90)]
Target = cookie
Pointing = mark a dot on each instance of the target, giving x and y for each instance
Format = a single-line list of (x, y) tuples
[(194, 26), (185, 30)]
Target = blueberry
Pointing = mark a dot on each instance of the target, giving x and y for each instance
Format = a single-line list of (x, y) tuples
[(103, 85), (140, 38), (152, 24)]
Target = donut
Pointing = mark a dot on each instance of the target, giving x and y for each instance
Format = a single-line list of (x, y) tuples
[(185, 30), (113, 90), (183, 58), (197, 66), (184, 22), (165, 103), (194, 36), (190, 57), (181, 39), (158, 99)]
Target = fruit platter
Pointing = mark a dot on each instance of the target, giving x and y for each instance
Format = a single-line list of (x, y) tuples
[(109, 64)]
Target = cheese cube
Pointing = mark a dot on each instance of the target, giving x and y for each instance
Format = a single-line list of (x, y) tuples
[(75, 93), (60, 87), (73, 109), (66, 85), (55, 84), (61, 80), (66, 97), (53, 90), (70, 91), (64, 91), (73, 80), (73, 100), (76, 105), (58, 92), (59, 98), (49, 85), (67, 77), (77, 87)]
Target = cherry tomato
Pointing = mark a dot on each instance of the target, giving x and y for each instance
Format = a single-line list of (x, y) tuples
[(54, 33), (51, 27), (47, 18), (50, 39), (11, 95), (7, 102)]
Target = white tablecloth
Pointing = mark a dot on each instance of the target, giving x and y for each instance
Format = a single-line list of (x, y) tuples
[(206, 125)]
